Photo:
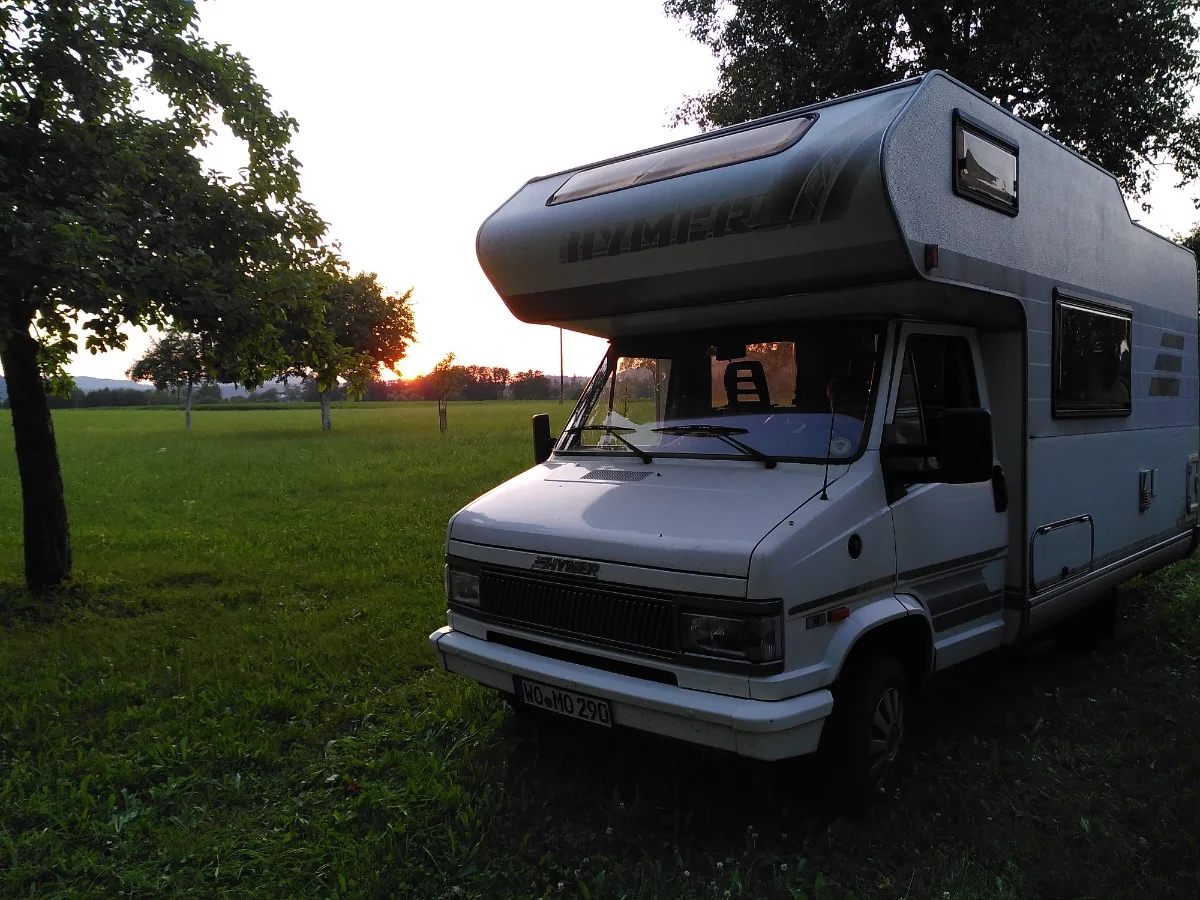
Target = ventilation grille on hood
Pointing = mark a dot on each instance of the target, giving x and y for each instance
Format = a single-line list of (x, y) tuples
[(615, 475)]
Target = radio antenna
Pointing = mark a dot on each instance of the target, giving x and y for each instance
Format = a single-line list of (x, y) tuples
[(828, 445)]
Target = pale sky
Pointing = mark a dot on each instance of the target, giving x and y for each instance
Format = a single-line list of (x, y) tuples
[(418, 119)]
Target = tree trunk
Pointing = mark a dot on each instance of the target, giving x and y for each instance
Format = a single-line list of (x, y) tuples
[(187, 409), (47, 535), (325, 423)]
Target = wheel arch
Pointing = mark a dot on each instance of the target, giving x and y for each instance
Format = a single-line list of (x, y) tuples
[(908, 637)]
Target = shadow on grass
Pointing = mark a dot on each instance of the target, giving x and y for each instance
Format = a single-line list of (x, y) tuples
[(115, 600), (20, 606), (1018, 763)]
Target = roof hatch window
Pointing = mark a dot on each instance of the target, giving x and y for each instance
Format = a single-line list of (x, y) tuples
[(708, 153)]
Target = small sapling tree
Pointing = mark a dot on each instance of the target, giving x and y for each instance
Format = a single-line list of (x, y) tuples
[(445, 378), (174, 361)]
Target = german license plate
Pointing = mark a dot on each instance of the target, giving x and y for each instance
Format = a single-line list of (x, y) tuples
[(563, 702)]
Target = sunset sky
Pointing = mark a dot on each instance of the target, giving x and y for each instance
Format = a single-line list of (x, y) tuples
[(418, 119)]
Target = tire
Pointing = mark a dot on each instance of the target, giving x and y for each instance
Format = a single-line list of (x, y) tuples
[(863, 740)]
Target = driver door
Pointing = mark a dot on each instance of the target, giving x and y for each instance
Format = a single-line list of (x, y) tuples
[(951, 542)]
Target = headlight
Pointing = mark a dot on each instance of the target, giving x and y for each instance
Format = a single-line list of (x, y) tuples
[(753, 638), (462, 587)]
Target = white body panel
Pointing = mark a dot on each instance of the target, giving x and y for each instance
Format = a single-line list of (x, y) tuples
[(695, 515), (747, 727)]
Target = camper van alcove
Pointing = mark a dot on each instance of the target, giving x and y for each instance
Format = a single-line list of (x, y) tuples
[(819, 461)]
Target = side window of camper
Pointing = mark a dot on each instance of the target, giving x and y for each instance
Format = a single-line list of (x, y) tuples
[(938, 374), (1092, 360)]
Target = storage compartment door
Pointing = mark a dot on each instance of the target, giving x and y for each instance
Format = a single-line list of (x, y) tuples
[(1061, 550)]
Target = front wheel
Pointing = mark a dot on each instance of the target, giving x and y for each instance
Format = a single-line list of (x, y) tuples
[(864, 736)]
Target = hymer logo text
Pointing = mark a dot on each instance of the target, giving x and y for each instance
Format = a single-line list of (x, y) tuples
[(566, 566)]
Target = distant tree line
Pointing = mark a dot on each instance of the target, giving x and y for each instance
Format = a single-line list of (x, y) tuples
[(480, 383), (469, 383)]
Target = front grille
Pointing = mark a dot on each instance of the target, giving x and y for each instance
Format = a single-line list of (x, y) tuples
[(591, 612)]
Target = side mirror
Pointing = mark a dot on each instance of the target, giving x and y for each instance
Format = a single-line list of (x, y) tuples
[(543, 442), (964, 453)]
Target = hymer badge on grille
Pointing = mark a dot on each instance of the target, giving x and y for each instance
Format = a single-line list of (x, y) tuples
[(566, 566)]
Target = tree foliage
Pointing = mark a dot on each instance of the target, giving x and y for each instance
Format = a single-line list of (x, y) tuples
[(357, 329), (1110, 78), (532, 384), (109, 216), (482, 382), (175, 360)]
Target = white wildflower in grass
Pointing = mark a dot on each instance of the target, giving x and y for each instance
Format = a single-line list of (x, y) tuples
[(783, 867), (720, 865), (608, 830), (576, 873)]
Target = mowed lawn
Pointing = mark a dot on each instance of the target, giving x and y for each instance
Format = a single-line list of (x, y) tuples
[(236, 696)]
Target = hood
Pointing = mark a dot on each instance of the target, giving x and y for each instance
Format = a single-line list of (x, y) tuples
[(703, 516)]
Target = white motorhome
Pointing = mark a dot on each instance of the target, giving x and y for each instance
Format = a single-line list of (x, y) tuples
[(893, 381)]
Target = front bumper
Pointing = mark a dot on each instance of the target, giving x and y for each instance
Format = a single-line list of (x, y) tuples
[(759, 729)]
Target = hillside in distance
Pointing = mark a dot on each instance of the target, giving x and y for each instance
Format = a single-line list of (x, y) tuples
[(87, 384)]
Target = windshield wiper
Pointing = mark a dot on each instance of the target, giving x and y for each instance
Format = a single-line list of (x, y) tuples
[(725, 433), (616, 431)]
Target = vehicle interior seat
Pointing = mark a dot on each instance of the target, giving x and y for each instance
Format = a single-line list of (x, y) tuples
[(747, 377)]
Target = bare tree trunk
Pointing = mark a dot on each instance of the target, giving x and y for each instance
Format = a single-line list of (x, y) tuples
[(325, 423), (47, 534), (187, 409)]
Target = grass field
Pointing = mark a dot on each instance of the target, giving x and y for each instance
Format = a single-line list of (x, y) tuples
[(236, 696)]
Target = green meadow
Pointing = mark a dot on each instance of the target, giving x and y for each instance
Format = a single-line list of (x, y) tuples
[(236, 696)]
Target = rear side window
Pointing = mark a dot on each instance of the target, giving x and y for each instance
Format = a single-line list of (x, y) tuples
[(1092, 366)]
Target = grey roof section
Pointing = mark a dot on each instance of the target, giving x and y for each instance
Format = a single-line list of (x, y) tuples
[(849, 207), (814, 215)]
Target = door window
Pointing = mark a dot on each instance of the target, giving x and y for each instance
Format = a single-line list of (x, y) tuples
[(937, 374)]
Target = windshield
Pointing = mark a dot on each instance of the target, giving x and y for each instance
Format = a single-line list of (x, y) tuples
[(799, 392)]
